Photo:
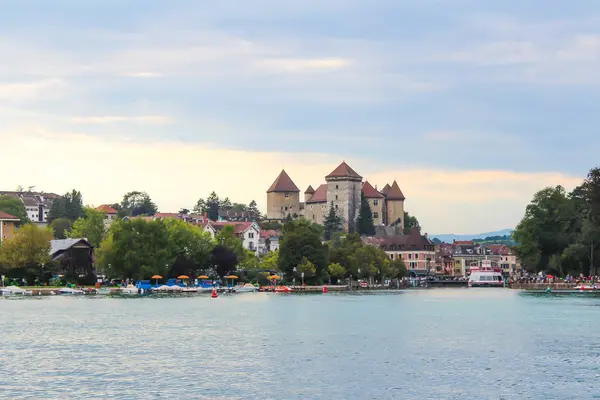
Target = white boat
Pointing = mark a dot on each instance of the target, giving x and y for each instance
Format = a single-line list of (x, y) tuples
[(10, 290), (71, 291), (248, 287), (130, 289), (587, 287), (486, 276)]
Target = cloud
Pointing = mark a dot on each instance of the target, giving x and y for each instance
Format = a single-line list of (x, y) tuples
[(145, 75), (176, 174), (24, 91), (112, 119), (304, 65)]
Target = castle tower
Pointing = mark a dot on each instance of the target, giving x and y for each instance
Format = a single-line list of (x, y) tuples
[(308, 193), (343, 189), (283, 198), (394, 204)]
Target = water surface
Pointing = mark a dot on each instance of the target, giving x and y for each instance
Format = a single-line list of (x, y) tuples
[(439, 343)]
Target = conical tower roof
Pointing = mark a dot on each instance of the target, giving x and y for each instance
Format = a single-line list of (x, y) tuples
[(394, 192), (385, 189), (343, 171), (283, 183), (309, 190)]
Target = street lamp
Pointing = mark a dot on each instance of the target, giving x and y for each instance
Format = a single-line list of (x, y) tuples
[(294, 278), (358, 277)]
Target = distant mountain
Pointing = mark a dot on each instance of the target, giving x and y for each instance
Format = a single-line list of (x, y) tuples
[(450, 237)]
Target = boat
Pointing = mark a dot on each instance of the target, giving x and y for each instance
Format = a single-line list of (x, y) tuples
[(248, 287), (587, 287), (130, 289), (10, 290), (486, 276), (283, 289), (70, 291)]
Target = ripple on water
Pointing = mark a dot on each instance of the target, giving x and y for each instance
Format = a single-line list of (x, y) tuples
[(446, 343)]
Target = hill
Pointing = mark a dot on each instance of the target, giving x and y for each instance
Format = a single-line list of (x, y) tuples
[(450, 237)]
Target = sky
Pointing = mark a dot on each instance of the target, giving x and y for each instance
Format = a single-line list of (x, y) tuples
[(471, 105)]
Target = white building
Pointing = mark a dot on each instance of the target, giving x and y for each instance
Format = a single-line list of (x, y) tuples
[(249, 232)]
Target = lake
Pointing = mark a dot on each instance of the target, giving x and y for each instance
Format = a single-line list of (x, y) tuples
[(420, 344)]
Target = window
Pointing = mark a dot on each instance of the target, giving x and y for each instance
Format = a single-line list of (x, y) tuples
[(375, 202), (375, 215), (337, 187), (251, 235), (336, 197), (287, 195), (336, 206), (285, 208)]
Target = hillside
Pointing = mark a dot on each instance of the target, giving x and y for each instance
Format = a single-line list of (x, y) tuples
[(450, 237)]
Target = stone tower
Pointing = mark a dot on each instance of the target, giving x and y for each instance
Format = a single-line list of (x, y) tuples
[(394, 204), (343, 189), (308, 193), (283, 198)]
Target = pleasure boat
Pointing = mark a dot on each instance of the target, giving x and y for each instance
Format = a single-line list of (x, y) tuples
[(130, 289), (486, 276), (10, 290), (70, 291), (248, 287), (587, 287), (283, 289)]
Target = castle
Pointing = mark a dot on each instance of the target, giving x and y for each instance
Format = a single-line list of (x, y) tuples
[(342, 188)]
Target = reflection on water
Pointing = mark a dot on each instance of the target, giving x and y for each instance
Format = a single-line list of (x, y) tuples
[(441, 343)]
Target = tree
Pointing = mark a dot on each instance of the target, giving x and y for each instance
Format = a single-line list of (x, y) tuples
[(190, 247), (270, 260), (336, 270), (136, 249), (410, 222), (14, 207), (226, 204), (227, 238), (253, 210), (397, 269), (364, 224), (29, 246), (90, 227), (60, 227), (69, 206), (223, 260), (184, 211), (333, 223), (307, 268), (302, 239), (211, 206), (137, 203)]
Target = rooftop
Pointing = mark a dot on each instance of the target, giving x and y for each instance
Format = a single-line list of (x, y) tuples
[(105, 208), (4, 216), (394, 192), (283, 183), (343, 171), (370, 192), (320, 195)]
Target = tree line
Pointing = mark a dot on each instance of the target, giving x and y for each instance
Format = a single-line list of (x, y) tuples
[(560, 231)]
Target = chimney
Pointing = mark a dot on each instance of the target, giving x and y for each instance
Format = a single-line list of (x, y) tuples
[(205, 217), (425, 235)]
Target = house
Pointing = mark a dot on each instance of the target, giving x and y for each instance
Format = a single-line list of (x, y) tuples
[(75, 256), (269, 241), (443, 259), (416, 250), (508, 259), (109, 214), (190, 218), (37, 204), (8, 225), (249, 232), (466, 256)]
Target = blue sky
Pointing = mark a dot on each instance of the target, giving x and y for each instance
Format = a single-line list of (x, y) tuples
[(447, 86)]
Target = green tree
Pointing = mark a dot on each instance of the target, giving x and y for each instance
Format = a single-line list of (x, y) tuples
[(333, 223), (91, 227), (137, 203), (336, 270), (226, 204), (253, 210), (270, 261), (410, 222), (29, 246), (190, 247), (397, 269), (302, 239), (364, 224), (307, 268), (136, 249), (69, 206), (61, 227), (227, 237), (210, 206), (14, 207)]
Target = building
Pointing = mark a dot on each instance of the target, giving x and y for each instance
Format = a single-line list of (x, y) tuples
[(190, 218), (342, 190), (109, 214), (268, 241), (466, 256), (249, 232), (37, 204), (75, 256), (509, 261), (416, 250), (8, 226)]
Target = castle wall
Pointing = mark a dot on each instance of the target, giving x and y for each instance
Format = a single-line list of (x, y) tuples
[(345, 195), (316, 212), (377, 210), (395, 210), (280, 204)]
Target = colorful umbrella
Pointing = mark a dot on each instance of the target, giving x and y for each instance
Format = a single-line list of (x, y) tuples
[(203, 277), (157, 277), (183, 277)]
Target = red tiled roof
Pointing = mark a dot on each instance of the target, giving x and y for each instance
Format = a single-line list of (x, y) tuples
[(320, 195), (464, 242), (385, 189), (309, 190), (238, 227), (269, 233), (8, 217), (105, 208), (343, 171), (283, 183), (394, 193), (370, 192)]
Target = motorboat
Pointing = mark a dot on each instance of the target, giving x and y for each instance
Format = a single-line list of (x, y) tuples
[(70, 291), (486, 276), (130, 289), (11, 290), (283, 289), (248, 287), (587, 287)]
